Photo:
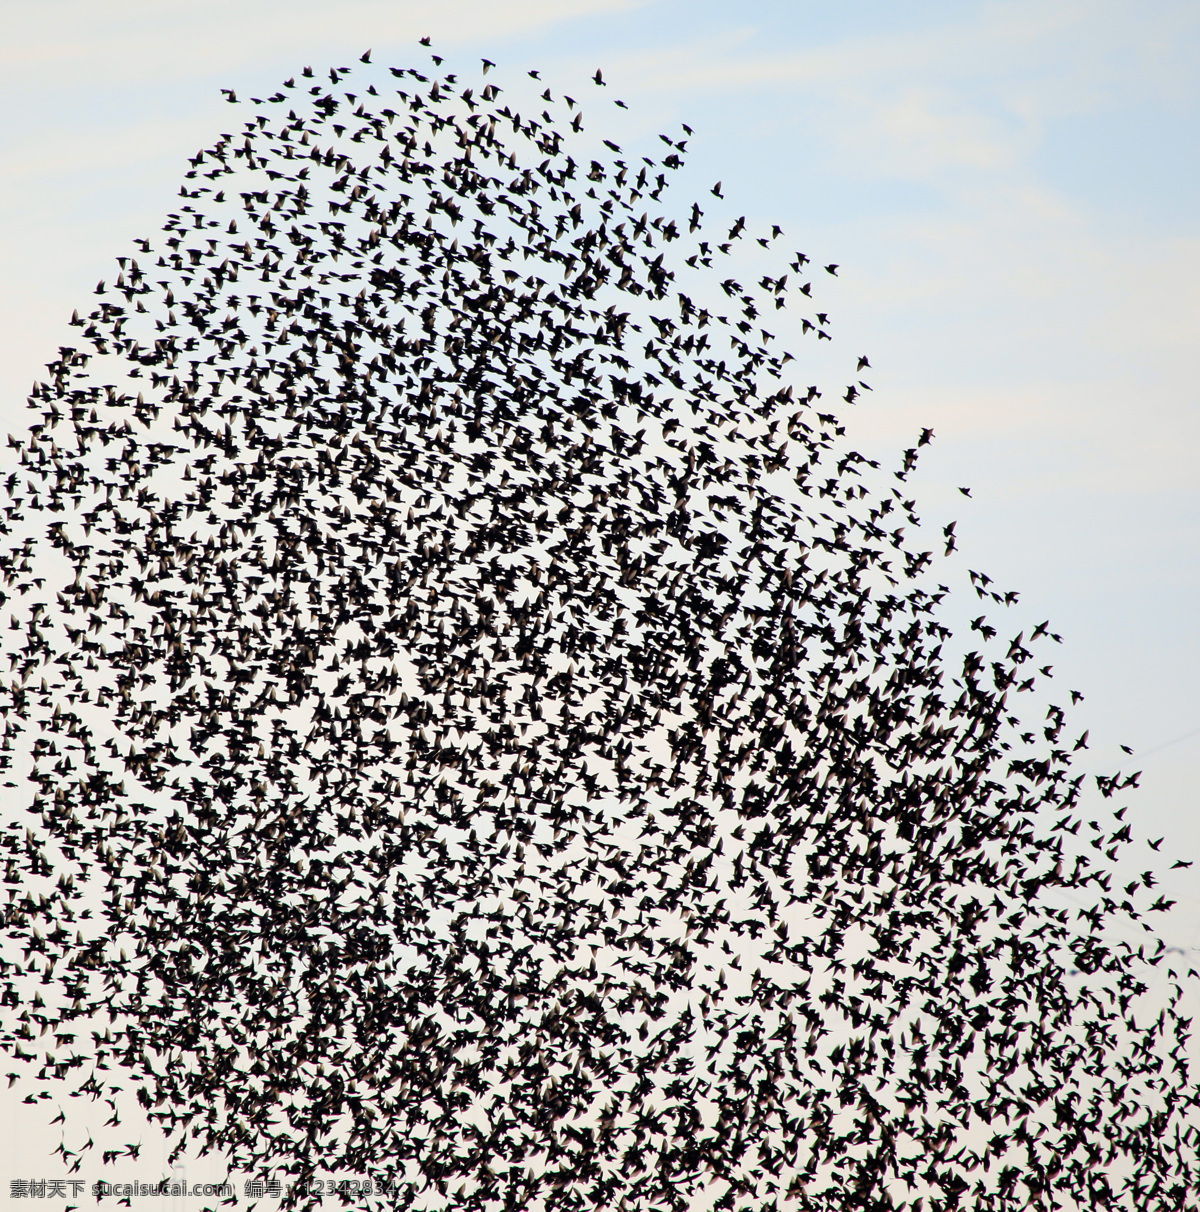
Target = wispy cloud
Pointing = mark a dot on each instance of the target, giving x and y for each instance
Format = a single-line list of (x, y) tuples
[(976, 90)]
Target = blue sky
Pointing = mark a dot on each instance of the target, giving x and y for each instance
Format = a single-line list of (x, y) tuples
[(1011, 190)]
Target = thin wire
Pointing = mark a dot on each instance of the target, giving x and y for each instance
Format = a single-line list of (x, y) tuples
[(1167, 744)]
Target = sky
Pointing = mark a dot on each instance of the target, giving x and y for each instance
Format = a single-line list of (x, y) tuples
[(1011, 192)]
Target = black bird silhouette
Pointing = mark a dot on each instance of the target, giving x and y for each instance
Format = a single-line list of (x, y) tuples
[(473, 720)]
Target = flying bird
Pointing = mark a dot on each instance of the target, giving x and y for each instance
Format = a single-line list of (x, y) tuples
[(472, 713)]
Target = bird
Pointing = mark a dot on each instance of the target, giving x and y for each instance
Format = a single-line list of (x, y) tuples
[(458, 675)]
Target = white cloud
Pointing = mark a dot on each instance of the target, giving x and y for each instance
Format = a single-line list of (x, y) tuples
[(976, 91), (918, 120)]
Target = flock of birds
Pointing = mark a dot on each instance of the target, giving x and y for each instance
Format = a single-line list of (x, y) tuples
[(483, 727)]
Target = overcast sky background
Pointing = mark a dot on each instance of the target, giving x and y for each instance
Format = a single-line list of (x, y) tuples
[(1011, 190)]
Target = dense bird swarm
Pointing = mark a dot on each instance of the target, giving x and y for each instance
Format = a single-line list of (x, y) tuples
[(482, 727)]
